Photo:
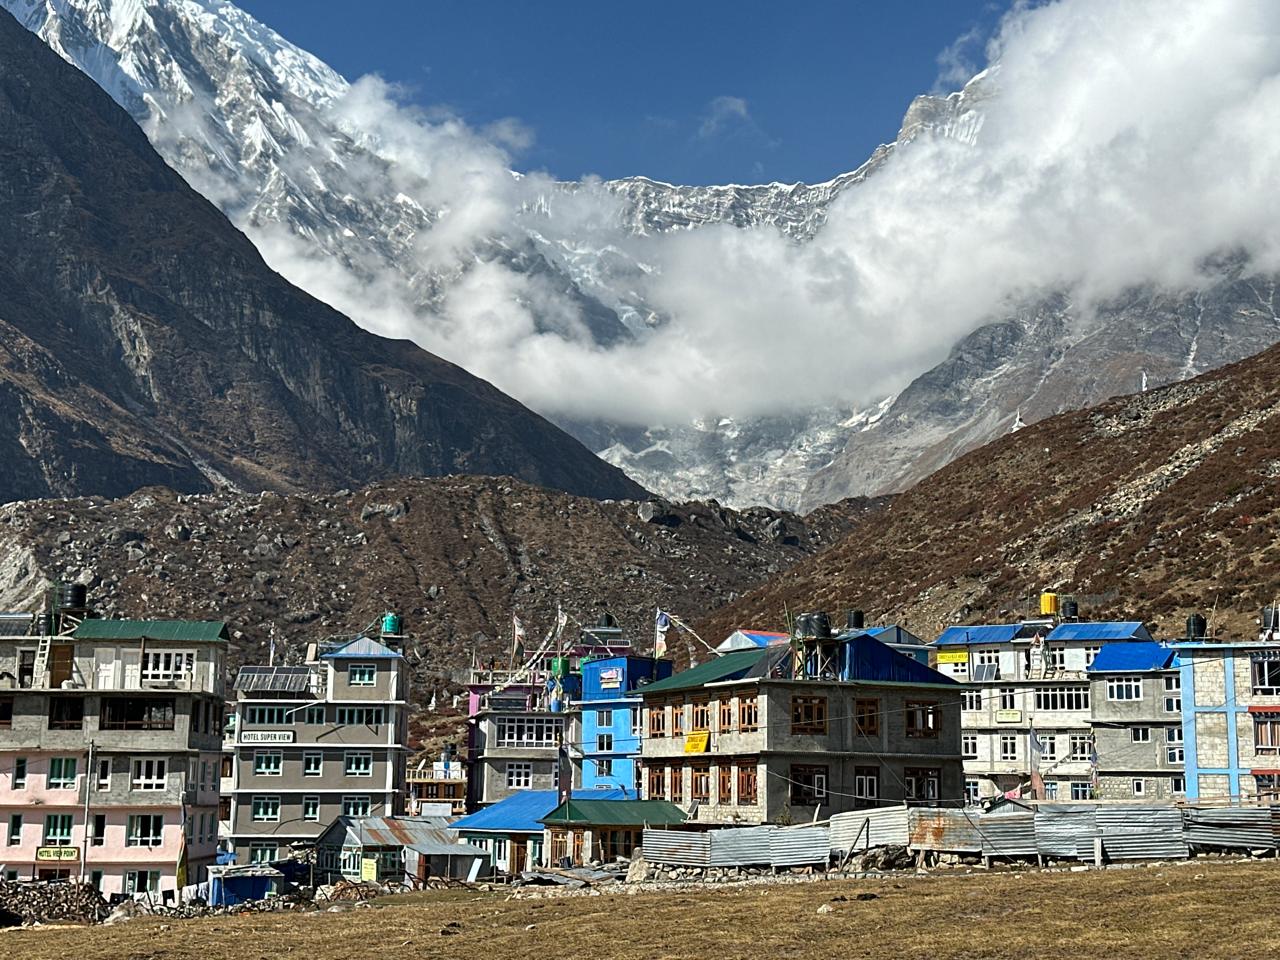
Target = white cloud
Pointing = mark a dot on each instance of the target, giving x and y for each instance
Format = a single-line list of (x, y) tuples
[(722, 113), (1123, 144)]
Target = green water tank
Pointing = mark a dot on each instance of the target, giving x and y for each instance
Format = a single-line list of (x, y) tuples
[(391, 624), (559, 666)]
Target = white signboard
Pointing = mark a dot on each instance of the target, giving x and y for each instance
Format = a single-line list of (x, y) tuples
[(267, 736)]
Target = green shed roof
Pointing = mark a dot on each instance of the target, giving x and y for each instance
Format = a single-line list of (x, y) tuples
[(170, 631), (616, 813), (731, 666)]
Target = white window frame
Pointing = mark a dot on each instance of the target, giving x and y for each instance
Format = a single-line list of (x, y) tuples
[(1008, 698), (362, 674), (264, 715), (58, 828), (265, 808), (149, 773), (969, 746), (165, 666), (1081, 746), (1138, 787), (866, 786), (307, 769), (359, 716), (1062, 698), (1009, 746), (141, 881), (311, 808), (529, 731), (19, 776), (1048, 746), (1080, 790), (356, 805), (1140, 734), (1178, 784), (104, 774), (357, 763), (604, 743), (972, 792), (151, 836), (519, 774), (604, 718), (64, 780), (1124, 688), (268, 763), (971, 700), (261, 852), (313, 716)]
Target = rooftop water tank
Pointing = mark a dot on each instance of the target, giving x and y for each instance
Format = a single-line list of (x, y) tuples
[(1048, 604)]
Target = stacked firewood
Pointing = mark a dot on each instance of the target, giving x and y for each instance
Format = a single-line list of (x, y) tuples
[(61, 902)]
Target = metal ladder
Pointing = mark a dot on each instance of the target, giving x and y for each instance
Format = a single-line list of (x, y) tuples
[(42, 661)]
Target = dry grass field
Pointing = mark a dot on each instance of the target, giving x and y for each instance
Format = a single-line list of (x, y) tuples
[(1197, 910)]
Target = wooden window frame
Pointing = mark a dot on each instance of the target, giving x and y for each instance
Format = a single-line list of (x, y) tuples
[(748, 714), (808, 715), (866, 717), (928, 714)]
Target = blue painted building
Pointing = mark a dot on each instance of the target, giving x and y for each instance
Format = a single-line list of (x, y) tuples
[(511, 830), (610, 711)]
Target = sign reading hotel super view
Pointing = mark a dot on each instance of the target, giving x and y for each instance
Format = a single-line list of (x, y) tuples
[(266, 736)]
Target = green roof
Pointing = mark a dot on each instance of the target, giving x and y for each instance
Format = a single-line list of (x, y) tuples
[(731, 666), (169, 631), (616, 813)]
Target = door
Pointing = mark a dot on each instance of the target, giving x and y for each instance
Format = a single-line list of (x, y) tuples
[(519, 856), (60, 664)]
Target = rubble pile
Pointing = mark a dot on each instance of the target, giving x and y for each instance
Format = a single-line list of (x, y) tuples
[(50, 903)]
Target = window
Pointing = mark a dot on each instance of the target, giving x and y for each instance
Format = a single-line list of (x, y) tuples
[(268, 763), (866, 786), (15, 829), (700, 783), (636, 730), (104, 774), (357, 763), (657, 786), (988, 657), (604, 742), (95, 880), (6, 712), (19, 772), (1266, 733), (748, 714), (1140, 734), (1178, 785), (66, 713), (312, 764), (1266, 674), (62, 773), (266, 809), (1139, 787), (604, 767), (677, 783), (1062, 698), (724, 779), (1009, 746), (519, 775), (1080, 790), (1081, 746), (145, 830), (922, 782), (657, 721), (808, 785), (136, 713), (1091, 653), (1051, 789), (166, 665), (866, 718), (677, 719), (604, 718), (969, 746), (311, 809), (701, 715), (141, 881), (971, 794), (360, 716), (808, 715), (1048, 746), (262, 852), (1173, 694), (970, 700), (149, 775), (922, 719), (1268, 787), (529, 731), (1055, 658), (362, 674), (1008, 698), (57, 830), (1124, 688), (747, 784), (725, 708), (355, 806), (265, 716), (313, 716)]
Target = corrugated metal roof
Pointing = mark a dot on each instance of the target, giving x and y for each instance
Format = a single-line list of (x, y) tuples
[(890, 634), (619, 813), (1136, 655), (980, 633), (389, 831), (364, 648), (731, 666), (867, 659), (170, 631), (1110, 630), (523, 811)]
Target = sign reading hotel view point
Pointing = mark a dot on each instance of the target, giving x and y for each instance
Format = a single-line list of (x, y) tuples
[(57, 853)]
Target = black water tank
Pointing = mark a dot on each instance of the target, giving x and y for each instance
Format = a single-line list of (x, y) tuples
[(1196, 627), (44, 624), (607, 620), (1270, 619), (821, 624), (855, 620), (1070, 610), (72, 596)]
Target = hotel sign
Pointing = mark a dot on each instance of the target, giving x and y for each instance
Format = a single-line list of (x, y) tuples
[(267, 736), (1008, 716), (697, 742), (46, 854), (953, 656)]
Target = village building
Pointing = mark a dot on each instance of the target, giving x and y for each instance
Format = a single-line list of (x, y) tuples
[(434, 782), (1136, 698), (109, 740), (1231, 716), (610, 721), (408, 850), (1024, 678), (511, 831), (581, 831), (315, 742), (793, 731), (745, 639)]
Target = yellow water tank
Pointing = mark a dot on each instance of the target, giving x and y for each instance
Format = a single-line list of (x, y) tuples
[(1048, 604)]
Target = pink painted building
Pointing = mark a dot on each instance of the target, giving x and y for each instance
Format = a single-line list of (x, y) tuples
[(110, 736)]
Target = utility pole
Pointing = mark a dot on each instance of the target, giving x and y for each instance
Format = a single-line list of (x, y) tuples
[(84, 840)]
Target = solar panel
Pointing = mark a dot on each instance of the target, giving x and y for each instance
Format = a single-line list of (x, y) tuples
[(983, 671), (284, 679)]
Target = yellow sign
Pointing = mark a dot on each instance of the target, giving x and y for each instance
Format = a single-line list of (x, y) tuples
[(57, 853), (953, 656), (369, 868), (1008, 716), (698, 741)]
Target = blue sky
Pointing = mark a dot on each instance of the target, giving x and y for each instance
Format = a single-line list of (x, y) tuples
[(702, 91)]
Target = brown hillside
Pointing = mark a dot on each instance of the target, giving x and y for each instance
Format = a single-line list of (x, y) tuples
[(1149, 506)]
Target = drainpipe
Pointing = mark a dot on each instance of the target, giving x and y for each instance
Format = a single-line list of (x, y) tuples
[(84, 841)]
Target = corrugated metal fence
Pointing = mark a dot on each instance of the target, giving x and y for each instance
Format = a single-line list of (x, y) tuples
[(863, 829), (1141, 833), (1234, 828), (740, 846)]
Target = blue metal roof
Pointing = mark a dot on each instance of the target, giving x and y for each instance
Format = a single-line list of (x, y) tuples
[(984, 633), (866, 658), (522, 811), (363, 648), (1126, 657), (1115, 630), (890, 634)]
